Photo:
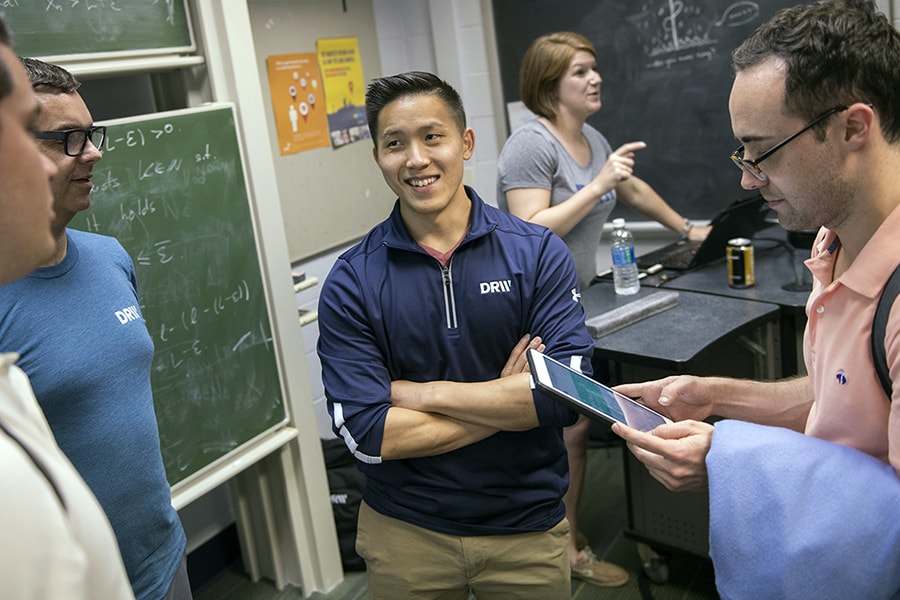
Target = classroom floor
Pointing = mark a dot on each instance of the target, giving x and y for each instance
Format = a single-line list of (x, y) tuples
[(603, 519)]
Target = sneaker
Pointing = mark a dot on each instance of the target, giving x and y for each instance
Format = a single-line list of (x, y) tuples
[(598, 572), (654, 565), (581, 540)]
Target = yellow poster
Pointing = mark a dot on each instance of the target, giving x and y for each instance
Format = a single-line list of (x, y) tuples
[(298, 102), (345, 91)]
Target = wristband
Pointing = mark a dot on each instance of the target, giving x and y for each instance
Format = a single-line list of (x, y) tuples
[(687, 227)]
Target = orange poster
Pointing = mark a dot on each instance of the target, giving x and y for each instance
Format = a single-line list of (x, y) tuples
[(298, 102)]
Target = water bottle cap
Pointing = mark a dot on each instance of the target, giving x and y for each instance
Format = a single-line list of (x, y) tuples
[(618, 222)]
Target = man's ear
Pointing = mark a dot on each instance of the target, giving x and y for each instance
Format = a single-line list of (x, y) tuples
[(861, 124), (468, 143)]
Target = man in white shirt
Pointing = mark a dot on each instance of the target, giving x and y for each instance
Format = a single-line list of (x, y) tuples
[(57, 541)]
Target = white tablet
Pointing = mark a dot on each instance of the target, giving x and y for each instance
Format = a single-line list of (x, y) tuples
[(590, 397)]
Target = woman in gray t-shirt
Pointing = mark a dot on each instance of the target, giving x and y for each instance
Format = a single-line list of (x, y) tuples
[(559, 171)]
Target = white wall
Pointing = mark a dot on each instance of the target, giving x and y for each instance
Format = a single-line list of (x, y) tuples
[(308, 299)]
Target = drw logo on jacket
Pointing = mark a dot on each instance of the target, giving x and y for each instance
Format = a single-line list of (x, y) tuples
[(496, 287)]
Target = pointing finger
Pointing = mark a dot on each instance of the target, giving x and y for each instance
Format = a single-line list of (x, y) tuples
[(629, 147)]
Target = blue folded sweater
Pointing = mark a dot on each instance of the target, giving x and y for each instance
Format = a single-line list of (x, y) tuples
[(796, 517)]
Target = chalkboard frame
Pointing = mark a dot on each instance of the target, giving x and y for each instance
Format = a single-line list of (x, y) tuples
[(266, 439), (26, 46)]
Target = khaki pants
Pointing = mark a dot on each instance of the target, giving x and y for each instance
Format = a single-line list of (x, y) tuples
[(405, 561)]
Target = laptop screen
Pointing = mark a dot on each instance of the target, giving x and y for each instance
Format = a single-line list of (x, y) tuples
[(743, 218)]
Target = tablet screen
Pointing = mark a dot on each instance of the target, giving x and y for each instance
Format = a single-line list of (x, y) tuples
[(591, 397)]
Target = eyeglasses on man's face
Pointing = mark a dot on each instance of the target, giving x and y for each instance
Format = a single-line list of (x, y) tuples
[(75, 140), (752, 165)]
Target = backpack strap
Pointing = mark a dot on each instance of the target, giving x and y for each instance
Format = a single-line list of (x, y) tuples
[(879, 325)]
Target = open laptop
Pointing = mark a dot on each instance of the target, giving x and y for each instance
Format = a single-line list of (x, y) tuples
[(743, 218)]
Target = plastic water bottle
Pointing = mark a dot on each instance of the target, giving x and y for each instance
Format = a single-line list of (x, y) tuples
[(624, 266)]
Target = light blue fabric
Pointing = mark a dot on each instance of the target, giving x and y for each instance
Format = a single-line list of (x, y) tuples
[(797, 517)]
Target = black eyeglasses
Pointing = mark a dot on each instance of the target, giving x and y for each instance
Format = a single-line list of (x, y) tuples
[(75, 140), (752, 165)]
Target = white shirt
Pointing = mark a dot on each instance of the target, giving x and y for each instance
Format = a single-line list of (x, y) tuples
[(57, 542)]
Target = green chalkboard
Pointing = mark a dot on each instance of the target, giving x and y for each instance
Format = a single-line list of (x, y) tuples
[(56, 29), (171, 189)]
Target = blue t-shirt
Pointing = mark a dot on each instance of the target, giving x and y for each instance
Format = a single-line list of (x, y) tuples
[(84, 344)]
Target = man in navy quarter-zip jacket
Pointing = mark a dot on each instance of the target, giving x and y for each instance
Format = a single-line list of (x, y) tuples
[(423, 328)]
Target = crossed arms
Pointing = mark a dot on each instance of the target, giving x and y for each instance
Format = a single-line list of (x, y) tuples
[(426, 419)]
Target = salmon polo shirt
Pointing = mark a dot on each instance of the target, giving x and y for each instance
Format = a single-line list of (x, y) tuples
[(850, 406)]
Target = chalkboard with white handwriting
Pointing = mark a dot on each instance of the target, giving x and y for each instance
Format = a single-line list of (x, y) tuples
[(171, 189), (59, 29)]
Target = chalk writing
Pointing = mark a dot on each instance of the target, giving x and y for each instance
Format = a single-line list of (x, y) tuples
[(109, 183), (143, 207), (176, 210), (60, 5), (213, 166), (678, 32), (130, 138), (159, 168), (135, 137), (72, 27), (167, 128), (91, 223), (738, 14)]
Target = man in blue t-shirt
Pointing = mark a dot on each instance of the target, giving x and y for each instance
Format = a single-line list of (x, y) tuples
[(90, 370)]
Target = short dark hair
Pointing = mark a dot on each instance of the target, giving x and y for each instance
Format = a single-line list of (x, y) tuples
[(385, 90), (545, 62), (42, 74), (6, 84), (837, 52)]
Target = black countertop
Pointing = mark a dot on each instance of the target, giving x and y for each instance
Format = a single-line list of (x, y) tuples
[(677, 337)]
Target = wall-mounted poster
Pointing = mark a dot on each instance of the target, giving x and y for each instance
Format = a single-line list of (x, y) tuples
[(298, 101), (345, 91)]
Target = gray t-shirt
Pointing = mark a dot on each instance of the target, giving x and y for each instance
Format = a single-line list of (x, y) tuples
[(533, 158)]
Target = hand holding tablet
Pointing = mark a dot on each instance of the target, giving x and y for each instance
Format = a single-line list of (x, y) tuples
[(588, 396)]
